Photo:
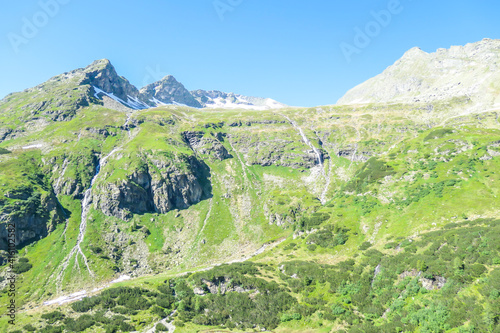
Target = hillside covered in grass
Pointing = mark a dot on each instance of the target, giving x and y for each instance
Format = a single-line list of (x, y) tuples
[(360, 218)]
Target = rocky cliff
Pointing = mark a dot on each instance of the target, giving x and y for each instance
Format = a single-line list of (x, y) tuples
[(158, 185), (34, 215)]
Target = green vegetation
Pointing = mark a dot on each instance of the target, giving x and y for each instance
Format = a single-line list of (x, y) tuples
[(441, 280), (396, 233), (22, 266)]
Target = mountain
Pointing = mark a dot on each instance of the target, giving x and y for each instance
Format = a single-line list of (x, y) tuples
[(218, 99), (169, 91), (378, 217), (470, 72), (99, 83)]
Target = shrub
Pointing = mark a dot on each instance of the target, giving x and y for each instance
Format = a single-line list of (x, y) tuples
[(312, 247), (80, 324), (337, 310), (165, 288), (161, 328), (86, 304), (365, 246), (307, 223), (390, 245), (133, 302), (52, 329), (371, 171), (126, 327), (288, 317), (123, 310), (95, 249), (53, 317), (438, 133), (158, 311), (29, 328), (164, 301), (21, 267)]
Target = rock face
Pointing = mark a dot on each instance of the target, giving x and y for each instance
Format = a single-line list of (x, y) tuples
[(159, 187), (33, 214), (207, 145), (169, 91), (102, 75), (470, 72), (72, 175)]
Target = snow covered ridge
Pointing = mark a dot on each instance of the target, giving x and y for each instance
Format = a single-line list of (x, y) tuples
[(212, 100), (216, 99), (116, 91)]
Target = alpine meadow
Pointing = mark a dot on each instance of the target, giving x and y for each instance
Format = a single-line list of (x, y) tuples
[(161, 209)]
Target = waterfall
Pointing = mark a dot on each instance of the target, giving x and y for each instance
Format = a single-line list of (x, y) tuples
[(306, 140), (86, 204)]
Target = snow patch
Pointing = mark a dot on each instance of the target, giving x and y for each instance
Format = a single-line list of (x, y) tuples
[(132, 102), (121, 279), (33, 146), (70, 298)]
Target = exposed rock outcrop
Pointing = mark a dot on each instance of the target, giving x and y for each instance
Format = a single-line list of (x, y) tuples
[(33, 214), (209, 144), (161, 185), (354, 155)]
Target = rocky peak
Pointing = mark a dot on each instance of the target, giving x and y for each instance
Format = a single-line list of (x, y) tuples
[(169, 91), (414, 53), (102, 75)]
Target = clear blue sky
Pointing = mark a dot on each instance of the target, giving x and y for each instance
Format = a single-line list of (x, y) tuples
[(284, 49)]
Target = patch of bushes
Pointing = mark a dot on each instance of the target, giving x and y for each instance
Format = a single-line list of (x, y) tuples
[(438, 134), (329, 237), (22, 266), (80, 324), (370, 172), (29, 328), (365, 246), (53, 317), (316, 219), (161, 328)]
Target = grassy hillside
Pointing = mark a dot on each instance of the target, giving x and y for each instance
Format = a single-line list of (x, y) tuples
[(393, 230)]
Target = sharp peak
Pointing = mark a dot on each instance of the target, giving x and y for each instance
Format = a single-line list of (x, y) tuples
[(103, 62), (99, 65), (168, 78), (414, 51)]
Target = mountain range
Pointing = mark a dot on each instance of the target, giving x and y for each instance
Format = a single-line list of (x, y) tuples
[(102, 82), (160, 209)]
